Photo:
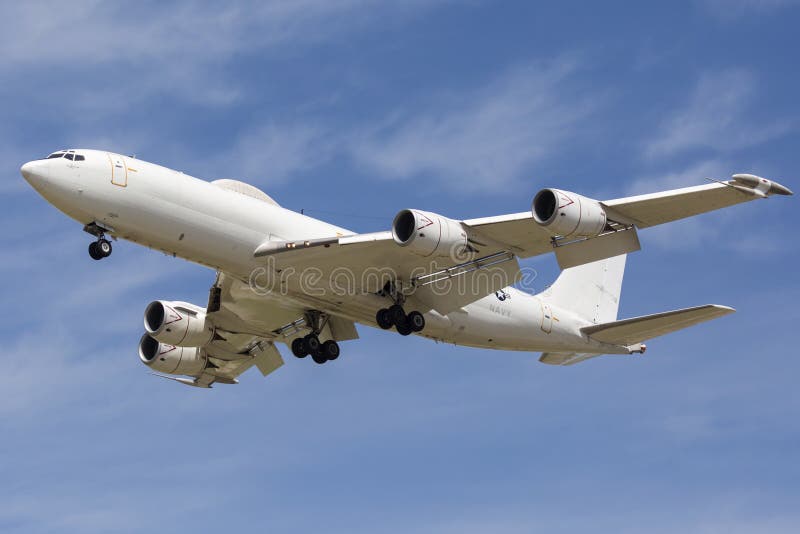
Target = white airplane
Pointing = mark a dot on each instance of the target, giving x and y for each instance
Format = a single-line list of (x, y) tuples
[(285, 277)]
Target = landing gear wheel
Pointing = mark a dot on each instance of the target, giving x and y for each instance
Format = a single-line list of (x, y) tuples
[(318, 357), (299, 348), (416, 321), (384, 319), (311, 343), (330, 350), (403, 328), (397, 313), (104, 248), (94, 252)]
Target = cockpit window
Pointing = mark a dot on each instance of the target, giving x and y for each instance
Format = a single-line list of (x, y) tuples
[(69, 154)]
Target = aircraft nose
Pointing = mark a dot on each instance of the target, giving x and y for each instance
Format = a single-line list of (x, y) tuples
[(35, 172)]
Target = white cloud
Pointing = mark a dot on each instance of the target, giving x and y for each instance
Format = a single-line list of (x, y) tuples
[(692, 175), (732, 9), (273, 153), (169, 47), (689, 427), (91, 31), (718, 117), (483, 141)]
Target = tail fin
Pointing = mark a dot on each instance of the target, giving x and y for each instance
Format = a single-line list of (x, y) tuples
[(591, 290)]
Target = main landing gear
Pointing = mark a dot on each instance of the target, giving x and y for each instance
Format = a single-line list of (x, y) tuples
[(396, 316), (320, 352)]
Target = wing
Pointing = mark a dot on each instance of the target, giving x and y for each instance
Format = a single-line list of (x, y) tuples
[(659, 208), (518, 232), (327, 273), (247, 325), (339, 268)]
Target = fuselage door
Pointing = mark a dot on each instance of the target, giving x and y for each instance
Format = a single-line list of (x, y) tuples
[(119, 170), (547, 317)]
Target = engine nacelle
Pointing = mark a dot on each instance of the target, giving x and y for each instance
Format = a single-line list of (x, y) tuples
[(177, 323), (568, 214), (427, 234), (171, 359)]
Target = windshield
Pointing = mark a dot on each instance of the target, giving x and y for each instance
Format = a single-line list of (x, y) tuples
[(69, 154)]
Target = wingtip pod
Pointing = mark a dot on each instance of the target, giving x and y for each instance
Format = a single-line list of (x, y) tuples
[(724, 310), (761, 185)]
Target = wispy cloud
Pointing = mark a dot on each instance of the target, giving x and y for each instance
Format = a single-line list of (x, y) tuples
[(718, 117), (732, 9), (95, 32), (688, 427), (274, 153), (174, 48), (481, 141), (694, 174)]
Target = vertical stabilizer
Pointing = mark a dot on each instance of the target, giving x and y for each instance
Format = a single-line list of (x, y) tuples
[(591, 291)]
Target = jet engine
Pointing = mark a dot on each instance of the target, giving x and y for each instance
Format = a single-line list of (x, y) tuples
[(567, 214), (170, 359), (427, 234), (177, 323)]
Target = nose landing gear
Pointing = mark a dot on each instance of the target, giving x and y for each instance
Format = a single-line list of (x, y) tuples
[(100, 249)]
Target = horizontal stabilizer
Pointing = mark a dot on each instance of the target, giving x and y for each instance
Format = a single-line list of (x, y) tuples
[(638, 329)]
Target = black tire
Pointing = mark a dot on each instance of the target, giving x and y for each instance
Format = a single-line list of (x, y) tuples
[(330, 350), (403, 328), (416, 321), (311, 343), (299, 348), (94, 252), (384, 319), (104, 248), (397, 313), (318, 357)]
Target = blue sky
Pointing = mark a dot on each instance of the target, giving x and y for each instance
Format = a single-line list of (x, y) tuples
[(353, 110)]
